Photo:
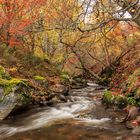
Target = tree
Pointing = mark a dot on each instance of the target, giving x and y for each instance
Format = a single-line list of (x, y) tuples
[(16, 17), (130, 6)]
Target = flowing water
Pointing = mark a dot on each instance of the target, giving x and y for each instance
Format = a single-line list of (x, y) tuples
[(83, 119)]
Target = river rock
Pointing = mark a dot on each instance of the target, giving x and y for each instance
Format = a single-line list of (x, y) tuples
[(56, 100), (59, 88), (13, 101), (78, 82), (41, 81), (136, 130), (62, 98)]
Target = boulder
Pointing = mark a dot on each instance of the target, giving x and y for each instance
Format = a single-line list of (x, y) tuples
[(13, 101), (60, 89), (58, 99), (14, 94), (78, 82), (41, 80)]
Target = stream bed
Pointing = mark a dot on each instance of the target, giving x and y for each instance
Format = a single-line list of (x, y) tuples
[(83, 119)]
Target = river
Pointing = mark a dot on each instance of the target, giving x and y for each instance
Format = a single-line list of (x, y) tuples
[(83, 119)]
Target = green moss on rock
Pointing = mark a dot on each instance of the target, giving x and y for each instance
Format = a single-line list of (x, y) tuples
[(64, 77), (14, 95), (131, 101), (2, 71), (4, 74), (108, 98), (9, 85), (39, 78), (120, 101)]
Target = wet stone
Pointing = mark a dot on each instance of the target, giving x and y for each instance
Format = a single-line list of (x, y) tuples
[(7, 104)]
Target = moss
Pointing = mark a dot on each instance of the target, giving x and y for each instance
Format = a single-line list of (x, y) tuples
[(15, 85), (79, 80), (65, 77), (120, 101), (138, 103), (131, 101), (9, 85), (39, 78), (108, 98), (2, 71), (24, 98)]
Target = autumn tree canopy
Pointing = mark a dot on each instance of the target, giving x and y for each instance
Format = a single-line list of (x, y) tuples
[(86, 34), (17, 18)]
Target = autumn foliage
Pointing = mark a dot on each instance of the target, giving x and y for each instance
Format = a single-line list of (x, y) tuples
[(17, 18), (71, 36)]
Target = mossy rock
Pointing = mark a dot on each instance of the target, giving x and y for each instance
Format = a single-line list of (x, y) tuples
[(120, 101), (108, 98), (131, 100), (138, 103), (9, 85), (10, 82), (4, 74), (2, 70), (64, 77), (39, 78), (42, 81), (79, 79), (78, 82), (14, 94), (16, 97), (15, 101)]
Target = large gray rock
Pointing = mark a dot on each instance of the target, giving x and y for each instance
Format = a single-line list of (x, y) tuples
[(14, 93), (7, 104), (15, 100)]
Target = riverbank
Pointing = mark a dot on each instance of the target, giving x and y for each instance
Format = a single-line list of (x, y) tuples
[(17, 95)]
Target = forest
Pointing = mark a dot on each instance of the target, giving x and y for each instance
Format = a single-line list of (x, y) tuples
[(70, 69)]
